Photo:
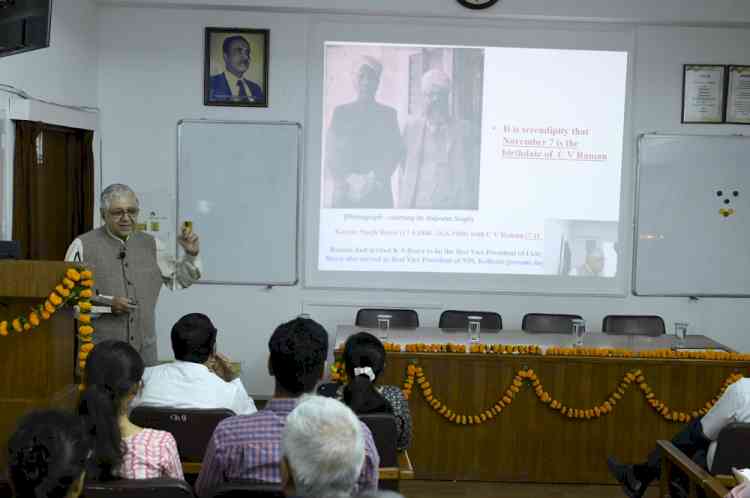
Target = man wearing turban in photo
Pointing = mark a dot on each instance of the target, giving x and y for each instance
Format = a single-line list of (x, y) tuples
[(363, 145), (441, 167)]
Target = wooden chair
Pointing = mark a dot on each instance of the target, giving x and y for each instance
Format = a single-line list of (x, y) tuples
[(248, 489), (547, 323), (699, 480), (191, 428), (454, 319), (162, 487), (400, 318), (651, 325)]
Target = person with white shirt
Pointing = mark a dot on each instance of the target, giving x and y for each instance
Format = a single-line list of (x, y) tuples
[(697, 440), (130, 268), (199, 377)]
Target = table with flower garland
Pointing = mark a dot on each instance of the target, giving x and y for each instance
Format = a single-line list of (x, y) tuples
[(530, 407)]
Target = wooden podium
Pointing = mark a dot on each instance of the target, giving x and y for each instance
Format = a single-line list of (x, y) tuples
[(37, 367)]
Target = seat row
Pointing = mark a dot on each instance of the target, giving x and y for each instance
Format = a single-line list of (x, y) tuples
[(651, 325)]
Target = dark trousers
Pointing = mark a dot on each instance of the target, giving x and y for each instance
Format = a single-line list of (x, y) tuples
[(690, 440)]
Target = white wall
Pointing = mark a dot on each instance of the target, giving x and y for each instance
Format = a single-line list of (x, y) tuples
[(64, 73), (150, 76)]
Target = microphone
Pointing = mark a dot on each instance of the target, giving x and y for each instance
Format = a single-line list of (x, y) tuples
[(122, 254)]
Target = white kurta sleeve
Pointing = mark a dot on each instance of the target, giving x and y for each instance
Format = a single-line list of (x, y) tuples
[(722, 413), (180, 273), (75, 251)]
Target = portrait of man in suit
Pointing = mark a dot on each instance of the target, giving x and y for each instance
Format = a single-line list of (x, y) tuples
[(236, 67)]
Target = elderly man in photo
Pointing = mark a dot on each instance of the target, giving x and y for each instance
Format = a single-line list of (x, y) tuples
[(231, 84), (322, 448), (363, 145), (130, 268), (441, 168)]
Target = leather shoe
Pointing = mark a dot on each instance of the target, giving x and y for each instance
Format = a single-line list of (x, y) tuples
[(632, 487)]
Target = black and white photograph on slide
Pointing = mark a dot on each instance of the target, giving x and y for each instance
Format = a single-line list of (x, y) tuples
[(401, 127)]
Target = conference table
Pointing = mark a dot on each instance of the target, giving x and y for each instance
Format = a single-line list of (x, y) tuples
[(602, 394)]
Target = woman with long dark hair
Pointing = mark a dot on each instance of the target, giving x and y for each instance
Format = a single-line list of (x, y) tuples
[(364, 361), (122, 449), (47, 455)]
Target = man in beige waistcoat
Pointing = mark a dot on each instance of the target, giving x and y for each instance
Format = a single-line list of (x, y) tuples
[(130, 267)]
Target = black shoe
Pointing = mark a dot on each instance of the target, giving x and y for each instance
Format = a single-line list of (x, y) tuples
[(632, 487)]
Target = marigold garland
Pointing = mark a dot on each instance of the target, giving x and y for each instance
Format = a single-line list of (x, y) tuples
[(533, 349), (74, 289), (634, 377)]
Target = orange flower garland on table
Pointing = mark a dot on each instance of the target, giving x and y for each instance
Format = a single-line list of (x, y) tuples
[(74, 289), (634, 377)]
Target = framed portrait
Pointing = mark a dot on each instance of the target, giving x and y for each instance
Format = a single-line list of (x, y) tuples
[(235, 67)]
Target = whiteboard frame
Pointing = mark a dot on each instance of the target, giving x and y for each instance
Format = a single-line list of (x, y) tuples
[(296, 279), (636, 219)]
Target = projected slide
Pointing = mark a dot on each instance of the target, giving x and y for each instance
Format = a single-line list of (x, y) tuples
[(489, 160)]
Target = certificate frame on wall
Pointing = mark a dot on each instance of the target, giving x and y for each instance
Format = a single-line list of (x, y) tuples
[(703, 93), (738, 95)]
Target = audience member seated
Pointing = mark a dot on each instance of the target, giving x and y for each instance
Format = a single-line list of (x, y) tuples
[(322, 448), (113, 378), (248, 446), (364, 360), (697, 440), (47, 456), (199, 378)]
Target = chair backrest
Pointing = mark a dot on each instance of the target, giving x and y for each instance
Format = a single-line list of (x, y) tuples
[(454, 319), (5, 490), (400, 318), (732, 449), (383, 428), (547, 323), (248, 489), (191, 428), (163, 487), (633, 325)]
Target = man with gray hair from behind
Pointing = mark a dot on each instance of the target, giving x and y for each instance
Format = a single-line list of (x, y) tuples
[(323, 449)]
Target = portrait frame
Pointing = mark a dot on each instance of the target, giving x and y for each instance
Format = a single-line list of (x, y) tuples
[(703, 93), (217, 89)]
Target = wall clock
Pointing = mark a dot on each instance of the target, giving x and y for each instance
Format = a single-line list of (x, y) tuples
[(477, 4)]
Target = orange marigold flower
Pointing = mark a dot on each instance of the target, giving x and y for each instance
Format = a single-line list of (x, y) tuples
[(87, 283), (49, 307), (87, 347), (45, 314), (86, 329), (73, 274), (68, 283), (55, 299), (84, 305), (34, 319), (86, 274), (16, 324), (82, 364), (83, 318), (86, 293), (3, 328), (26, 326)]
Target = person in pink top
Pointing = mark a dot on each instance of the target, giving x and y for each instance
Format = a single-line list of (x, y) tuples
[(122, 450)]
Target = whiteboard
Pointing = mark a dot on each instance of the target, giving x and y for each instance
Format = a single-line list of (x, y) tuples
[(238, 182), (684, 244)]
